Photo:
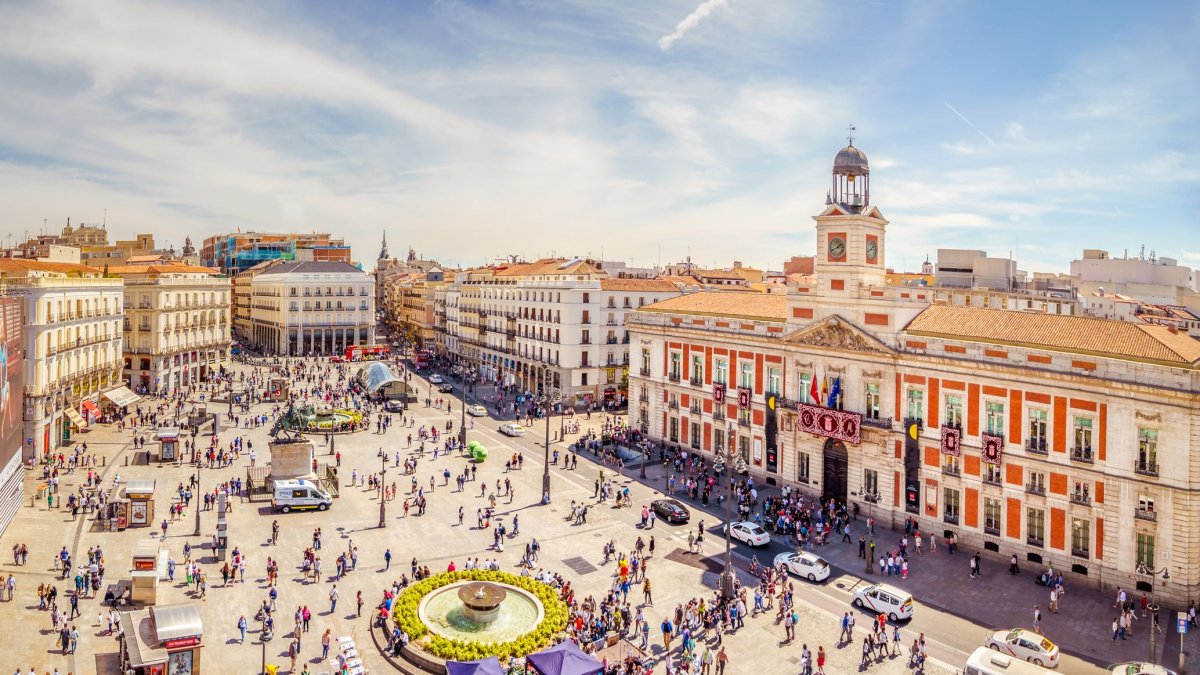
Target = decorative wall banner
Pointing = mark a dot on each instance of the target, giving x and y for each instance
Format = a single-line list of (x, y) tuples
[(744, 397), (718, 393), (951, 440), (839, 424), (993, 448)]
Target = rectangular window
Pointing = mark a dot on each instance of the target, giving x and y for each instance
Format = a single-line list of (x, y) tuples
[(774, 380), (871, 483), (1037, 430), (694, 437), (995, 417), (1080, 537), (673, 432), (872, 400), (991, 516), (805, 384), (1147, 459), (744, 449), (586, 298), (950, 505), (951, 464), (697, 369), (645, 362), (1035, 527), (991, 473), (721, 371), (954, 410), (1145, 549), (916, 404), (718, 444), (676, 366), (1083, 434), (746, 374)]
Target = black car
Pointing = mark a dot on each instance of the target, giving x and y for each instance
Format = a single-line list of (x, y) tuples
[(671, 511), (445, 387)]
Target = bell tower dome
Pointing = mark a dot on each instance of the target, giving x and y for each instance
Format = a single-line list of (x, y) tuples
[(850, 231), (851, 178)]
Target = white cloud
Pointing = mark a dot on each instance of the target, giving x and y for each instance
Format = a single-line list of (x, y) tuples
[(689, 22)]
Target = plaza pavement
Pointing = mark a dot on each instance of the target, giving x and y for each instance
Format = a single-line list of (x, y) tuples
[(435, 539)]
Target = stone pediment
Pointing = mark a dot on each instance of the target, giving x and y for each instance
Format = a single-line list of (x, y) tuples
[(836, 333)]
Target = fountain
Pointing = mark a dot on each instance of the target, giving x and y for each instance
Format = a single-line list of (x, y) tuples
[(481, 611)]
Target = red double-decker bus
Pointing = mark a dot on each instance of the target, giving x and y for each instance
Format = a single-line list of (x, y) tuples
[(367, 352), (422, 358)]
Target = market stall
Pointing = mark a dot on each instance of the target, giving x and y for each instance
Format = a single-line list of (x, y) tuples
[(162, 640)]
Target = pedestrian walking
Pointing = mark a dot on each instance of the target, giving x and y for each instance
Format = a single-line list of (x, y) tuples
[(1037, 620)]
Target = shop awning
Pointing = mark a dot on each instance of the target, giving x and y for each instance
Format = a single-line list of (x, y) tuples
[(140, 486), (122, 397), (76, 418), (90, 408), (176, 621)]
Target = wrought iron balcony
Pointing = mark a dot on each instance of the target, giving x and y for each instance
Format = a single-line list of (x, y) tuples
[(951, 518), (1034, 541), (645, 372), (884, 423), (1081, 499), (695, 409), (1035, 489), (673, 404), (1083, 454), (992, 480), (696, 381), (1036, 446), (673, 377), (1146, 468), (1146, 514), (951, 470)]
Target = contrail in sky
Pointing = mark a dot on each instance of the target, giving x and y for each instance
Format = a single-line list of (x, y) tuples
[(963, 118), (689, 22)]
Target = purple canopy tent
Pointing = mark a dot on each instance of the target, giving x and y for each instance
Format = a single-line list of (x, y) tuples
[(564, 658), (488, 666)]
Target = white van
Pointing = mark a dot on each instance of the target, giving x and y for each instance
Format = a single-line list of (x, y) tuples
[(984, 661), (299, 494), (890, 601)]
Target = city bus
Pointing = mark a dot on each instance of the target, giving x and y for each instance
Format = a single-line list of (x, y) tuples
[(422, 358), (367, 352)]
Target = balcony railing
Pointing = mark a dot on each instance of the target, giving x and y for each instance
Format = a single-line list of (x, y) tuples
[(1036, 446), (644, 398), (673, 404), (695, 408), (696, 381), (1081, 499), (993, 531), (992, 480), (673, 377), (884, 423), (1035, 489), (951, 470), (1080, 552), (718, 416), (1146, 468), (645, 372), (743, 422), (1034, 541), (1146, 514), (1083, 454), (951, 518)]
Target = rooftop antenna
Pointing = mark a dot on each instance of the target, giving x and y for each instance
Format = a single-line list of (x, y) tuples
[(104, 223)]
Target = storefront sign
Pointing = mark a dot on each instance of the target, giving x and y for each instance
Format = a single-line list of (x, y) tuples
[(142, 564), (181, 642), (839, 424), (951, 440)]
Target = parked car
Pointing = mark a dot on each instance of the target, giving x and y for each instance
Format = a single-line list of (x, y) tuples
[(435, 379), (512, 429), (804, 564), (1025, 645), (884, 599), (671, 511), (393, 405), (749, 533), (445, 387), (477, 410)]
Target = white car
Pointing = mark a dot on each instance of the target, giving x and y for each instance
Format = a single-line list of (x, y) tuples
[(804, 564), (890, 601), (1025, 645), (476, 410), (512, 429), (435, 379), (749, 533)]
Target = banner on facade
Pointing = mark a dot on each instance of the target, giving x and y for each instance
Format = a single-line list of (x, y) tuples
[(839, 424), (951, 440), (744, 397), (718, 393), (771, 421), (993, 448)]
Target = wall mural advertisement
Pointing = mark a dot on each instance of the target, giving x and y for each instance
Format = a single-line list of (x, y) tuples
[(12, 378)]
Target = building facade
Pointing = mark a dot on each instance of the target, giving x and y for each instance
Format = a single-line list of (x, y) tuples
[(177, 325), (72, 336), (238, 251), (1061, 439), (301, 308)]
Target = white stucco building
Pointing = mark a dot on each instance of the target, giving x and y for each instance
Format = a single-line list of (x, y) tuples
[(300, 308)]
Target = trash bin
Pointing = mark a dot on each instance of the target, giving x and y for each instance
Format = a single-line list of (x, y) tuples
[(272, 669)]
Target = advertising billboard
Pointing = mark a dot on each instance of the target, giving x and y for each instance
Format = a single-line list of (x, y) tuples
[(12, 391)]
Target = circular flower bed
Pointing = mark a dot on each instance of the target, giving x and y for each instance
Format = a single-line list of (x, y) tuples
[(554, 620)]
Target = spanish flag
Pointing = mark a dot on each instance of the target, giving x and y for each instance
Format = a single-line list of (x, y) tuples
[(814, 395)]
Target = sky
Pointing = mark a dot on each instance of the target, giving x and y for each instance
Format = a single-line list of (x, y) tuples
[(636, 131)]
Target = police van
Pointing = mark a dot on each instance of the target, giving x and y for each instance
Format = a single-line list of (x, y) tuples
[(299, 494)]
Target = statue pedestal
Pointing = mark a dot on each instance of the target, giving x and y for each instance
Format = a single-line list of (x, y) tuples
[(292, 459)]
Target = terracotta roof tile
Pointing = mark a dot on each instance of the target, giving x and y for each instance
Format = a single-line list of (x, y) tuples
[(1073, 334), (732, 304), (548, 266), (15, 264), (649, 285)]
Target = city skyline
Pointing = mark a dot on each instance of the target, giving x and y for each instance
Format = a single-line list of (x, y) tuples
[(621, 130)]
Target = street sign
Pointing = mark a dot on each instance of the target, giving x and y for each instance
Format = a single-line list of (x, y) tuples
[(1181, 624)]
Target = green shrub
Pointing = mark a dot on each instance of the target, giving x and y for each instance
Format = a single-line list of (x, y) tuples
[(554, 620)]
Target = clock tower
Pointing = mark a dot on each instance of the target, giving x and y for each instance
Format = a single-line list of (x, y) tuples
[(850, 231)]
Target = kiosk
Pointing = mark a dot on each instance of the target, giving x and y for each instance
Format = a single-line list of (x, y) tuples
[(162, 640), (139, 494), (168, 444), (149, 567), (277, 389)]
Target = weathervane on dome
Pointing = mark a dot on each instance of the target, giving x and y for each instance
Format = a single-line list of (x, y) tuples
[(851, 136)]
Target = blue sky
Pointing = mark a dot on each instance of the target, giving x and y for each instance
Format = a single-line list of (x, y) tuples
[(641, 131)]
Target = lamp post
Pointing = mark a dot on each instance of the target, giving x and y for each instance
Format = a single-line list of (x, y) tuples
[(382, 488), (264, 637), (199, 462), (727, 576), (546, 464)]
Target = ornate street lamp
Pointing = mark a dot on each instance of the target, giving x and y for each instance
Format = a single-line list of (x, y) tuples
[(727, 576), (199, 462)]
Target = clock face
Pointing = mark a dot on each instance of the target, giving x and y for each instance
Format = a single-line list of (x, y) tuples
[(872, 249), (837, 247)]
